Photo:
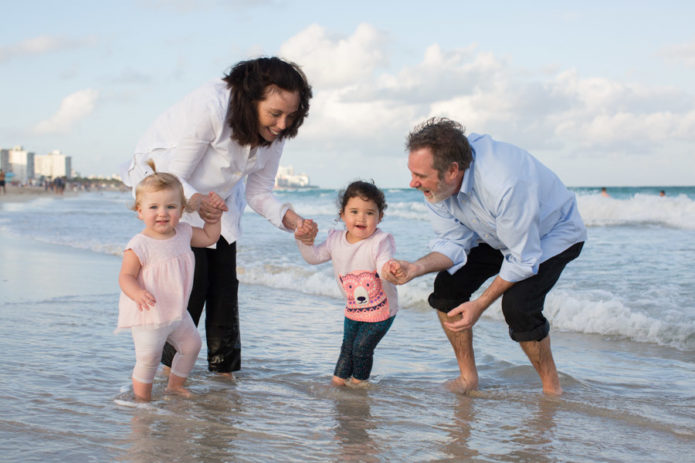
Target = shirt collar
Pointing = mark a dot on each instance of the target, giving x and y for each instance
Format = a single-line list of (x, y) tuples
[(467, 182)]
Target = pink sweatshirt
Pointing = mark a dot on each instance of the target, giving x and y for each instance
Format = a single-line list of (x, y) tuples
[(356, 267)]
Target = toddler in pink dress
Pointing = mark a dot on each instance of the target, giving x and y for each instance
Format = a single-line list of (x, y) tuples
[(156, 279)]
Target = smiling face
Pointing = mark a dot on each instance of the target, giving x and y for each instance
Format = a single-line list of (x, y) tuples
[(361, 218), (426, 178), (161, 211), (276, 112)]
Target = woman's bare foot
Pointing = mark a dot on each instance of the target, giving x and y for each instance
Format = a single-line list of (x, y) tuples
[(227, 375), (336, 381)]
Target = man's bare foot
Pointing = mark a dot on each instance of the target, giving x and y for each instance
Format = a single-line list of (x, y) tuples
[(227, 375), (182, 391), (337, 381), (460, 386), (553, 391)]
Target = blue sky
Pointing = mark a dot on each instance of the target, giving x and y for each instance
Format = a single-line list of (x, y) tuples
[(602, 92)]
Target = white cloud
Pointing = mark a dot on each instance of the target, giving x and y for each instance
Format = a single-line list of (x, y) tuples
[(361, 105), (333, 61), (73, 108)]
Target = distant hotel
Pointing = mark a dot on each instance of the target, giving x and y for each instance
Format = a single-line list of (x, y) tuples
[(286, 178), (25, 166)]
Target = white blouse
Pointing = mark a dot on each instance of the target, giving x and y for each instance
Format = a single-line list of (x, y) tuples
[(192, 141)]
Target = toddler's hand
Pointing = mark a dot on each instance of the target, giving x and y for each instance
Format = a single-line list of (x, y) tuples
[(396, 271), (144, 300), (211, 208), (306, 231), (216, 201)]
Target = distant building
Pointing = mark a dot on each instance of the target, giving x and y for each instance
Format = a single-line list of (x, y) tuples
[(21, 164), (286, 178), (53, 165), (5, 160)]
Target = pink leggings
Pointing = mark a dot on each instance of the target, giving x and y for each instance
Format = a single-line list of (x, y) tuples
[(149, 343)]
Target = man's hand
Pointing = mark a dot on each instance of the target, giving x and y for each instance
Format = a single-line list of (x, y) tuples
[(470, 312)]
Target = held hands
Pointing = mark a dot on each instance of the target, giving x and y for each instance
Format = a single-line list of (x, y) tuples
[(399, 272), (467, 313), (306, 231), (144, 300), (211, 207)]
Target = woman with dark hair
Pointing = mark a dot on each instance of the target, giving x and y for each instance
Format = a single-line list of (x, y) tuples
[(227, 130)]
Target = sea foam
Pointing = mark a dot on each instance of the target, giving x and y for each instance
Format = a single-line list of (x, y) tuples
[(676, 212)]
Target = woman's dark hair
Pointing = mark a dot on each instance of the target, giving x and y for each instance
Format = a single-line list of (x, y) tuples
[(365, 190), (248, 82), (446, 139)]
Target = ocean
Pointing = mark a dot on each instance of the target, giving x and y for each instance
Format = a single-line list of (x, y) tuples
[(623, 336)]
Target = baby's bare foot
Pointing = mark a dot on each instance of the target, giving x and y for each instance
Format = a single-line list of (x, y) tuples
[(182, 391), (356, 383)]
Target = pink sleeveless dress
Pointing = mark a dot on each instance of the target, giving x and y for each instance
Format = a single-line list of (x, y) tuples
[(167, 273)]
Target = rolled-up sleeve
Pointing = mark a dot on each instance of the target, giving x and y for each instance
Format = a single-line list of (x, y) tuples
[(259, 190), (518, 220), (453, 238)]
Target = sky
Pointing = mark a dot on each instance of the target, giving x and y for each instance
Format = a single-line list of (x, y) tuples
[(602, 92)]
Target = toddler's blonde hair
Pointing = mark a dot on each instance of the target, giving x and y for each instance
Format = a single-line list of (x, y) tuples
[(159, 181)]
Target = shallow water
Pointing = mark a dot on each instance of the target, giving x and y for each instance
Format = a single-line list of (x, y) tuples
[(66, 395), (627, 367)]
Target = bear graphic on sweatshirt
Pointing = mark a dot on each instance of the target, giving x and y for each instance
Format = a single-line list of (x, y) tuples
[(365, 293)]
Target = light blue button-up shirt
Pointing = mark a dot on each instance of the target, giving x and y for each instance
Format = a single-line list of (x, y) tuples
[(512, 202)]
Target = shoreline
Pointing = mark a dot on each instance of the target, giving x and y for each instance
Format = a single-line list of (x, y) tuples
[(15, 194)]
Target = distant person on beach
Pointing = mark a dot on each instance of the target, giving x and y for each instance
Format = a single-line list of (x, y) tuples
[(496, 211), (156, 280), (359, 252), (2, 181), (604, 192), (662, 193), (227, 137)]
